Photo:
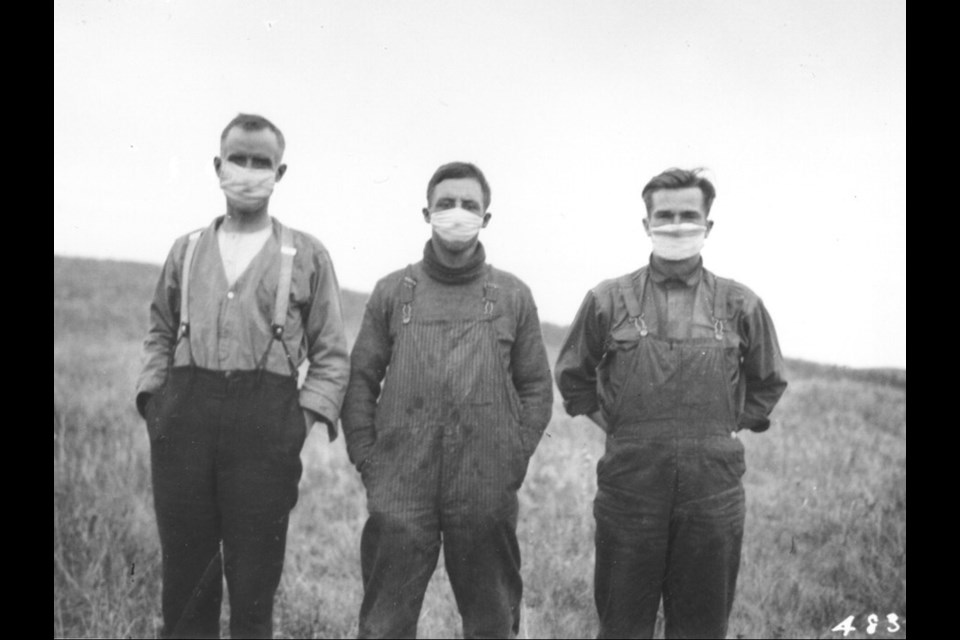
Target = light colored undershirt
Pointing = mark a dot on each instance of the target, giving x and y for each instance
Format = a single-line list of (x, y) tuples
[(237, 250)]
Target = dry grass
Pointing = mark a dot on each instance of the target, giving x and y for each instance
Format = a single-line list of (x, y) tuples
[(826, 492)]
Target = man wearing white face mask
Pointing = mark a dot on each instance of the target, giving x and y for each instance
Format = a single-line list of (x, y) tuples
[(671, 362), (238, 307), (449, 394)]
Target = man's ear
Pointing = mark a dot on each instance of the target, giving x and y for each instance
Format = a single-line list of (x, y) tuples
[(281, 170), (426, 215), (646, 225), (709, 227), (216, 165), (486, 219)]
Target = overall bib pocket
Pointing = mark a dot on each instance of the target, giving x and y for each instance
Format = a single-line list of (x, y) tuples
[(618, 366)]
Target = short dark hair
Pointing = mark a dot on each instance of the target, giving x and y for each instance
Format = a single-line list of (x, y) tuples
[(680, 179), (253, 122), (454, 170)]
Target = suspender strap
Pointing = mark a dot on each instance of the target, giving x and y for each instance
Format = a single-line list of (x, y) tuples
[(282, 302), (287, 252), (407, 288), (630, 297), (633, 301), (720, 306), (490, 293), (184, 329)]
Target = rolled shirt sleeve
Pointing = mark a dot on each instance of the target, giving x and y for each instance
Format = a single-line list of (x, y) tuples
[(329, 367)]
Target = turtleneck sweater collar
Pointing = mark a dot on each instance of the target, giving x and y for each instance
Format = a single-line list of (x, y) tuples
[(453, 275)]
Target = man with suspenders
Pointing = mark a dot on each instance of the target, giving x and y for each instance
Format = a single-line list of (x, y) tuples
[(449, 393), (671, 362), (238, 307)]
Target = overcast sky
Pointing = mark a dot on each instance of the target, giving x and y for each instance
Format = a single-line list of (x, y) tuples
[(797, 108)]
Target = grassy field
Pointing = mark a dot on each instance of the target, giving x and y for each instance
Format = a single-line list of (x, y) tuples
[(826, 494)]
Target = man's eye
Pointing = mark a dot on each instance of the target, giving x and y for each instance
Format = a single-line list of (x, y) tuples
[(443, 205), (262, 163), (471, 206)]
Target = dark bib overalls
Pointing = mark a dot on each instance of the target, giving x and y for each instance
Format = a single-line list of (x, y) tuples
[(670, 503)]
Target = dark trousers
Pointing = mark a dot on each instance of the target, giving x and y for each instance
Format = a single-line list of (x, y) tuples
[(399, 555), (225, 449), (687, 553)]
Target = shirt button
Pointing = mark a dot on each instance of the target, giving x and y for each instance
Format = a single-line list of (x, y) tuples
[(230, 295)]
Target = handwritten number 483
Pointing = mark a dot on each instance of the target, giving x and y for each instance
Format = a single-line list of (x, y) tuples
[(847, 625)]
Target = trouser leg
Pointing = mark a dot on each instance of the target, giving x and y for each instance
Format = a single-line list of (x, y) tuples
[(398, 554), (257, 478), (253, 563), (192, 574), (182, 460), (482, 558), (704, 559), (631, 558)]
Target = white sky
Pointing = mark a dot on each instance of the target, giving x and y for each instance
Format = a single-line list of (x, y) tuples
[(798, 108)]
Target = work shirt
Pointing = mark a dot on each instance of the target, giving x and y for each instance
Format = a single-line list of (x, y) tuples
[(230, 325), (675, 306)]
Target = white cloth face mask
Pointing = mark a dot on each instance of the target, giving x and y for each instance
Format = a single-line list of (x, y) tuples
[(456, 225), (246, 187), (677, 241)]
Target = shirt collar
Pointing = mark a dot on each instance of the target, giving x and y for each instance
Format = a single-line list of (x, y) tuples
[(661, 273)]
